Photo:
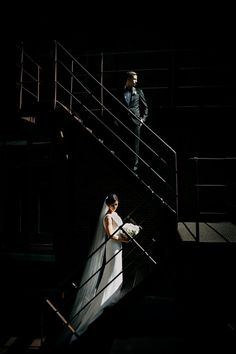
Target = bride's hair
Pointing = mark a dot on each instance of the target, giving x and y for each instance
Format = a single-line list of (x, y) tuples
[(111, 198)]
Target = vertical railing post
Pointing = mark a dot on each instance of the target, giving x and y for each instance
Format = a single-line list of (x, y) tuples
[(197, 211), (176, 189), (55, 74), (38, 83), (172, 81), (102, 93), (71, 84), (38, 213), (21, 74)]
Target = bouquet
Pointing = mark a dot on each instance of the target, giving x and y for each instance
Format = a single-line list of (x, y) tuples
[(131, 229)]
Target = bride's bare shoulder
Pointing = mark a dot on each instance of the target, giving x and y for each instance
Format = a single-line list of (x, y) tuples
[(107, 217)]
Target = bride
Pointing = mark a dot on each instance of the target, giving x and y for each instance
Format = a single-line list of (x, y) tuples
[(102, 277)]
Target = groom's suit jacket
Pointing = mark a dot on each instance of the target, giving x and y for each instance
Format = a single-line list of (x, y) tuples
[(137, 105)]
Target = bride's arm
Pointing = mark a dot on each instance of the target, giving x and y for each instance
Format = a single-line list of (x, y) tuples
[(118, 236)]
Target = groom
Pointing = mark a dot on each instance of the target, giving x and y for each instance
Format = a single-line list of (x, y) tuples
[(133, 98)]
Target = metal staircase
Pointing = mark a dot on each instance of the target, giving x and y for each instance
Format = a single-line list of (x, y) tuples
[(62, 107)]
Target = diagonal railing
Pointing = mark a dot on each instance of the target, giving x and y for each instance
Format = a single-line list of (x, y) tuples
[(145, 253), (86, 98)]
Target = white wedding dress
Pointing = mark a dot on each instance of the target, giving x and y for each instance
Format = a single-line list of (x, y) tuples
[(110, 282)]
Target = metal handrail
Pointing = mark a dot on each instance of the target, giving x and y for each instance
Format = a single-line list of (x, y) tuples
[(32, 78), (198, 186), (73, 100)]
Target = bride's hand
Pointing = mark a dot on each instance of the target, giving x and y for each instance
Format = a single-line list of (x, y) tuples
[(124, 238)]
